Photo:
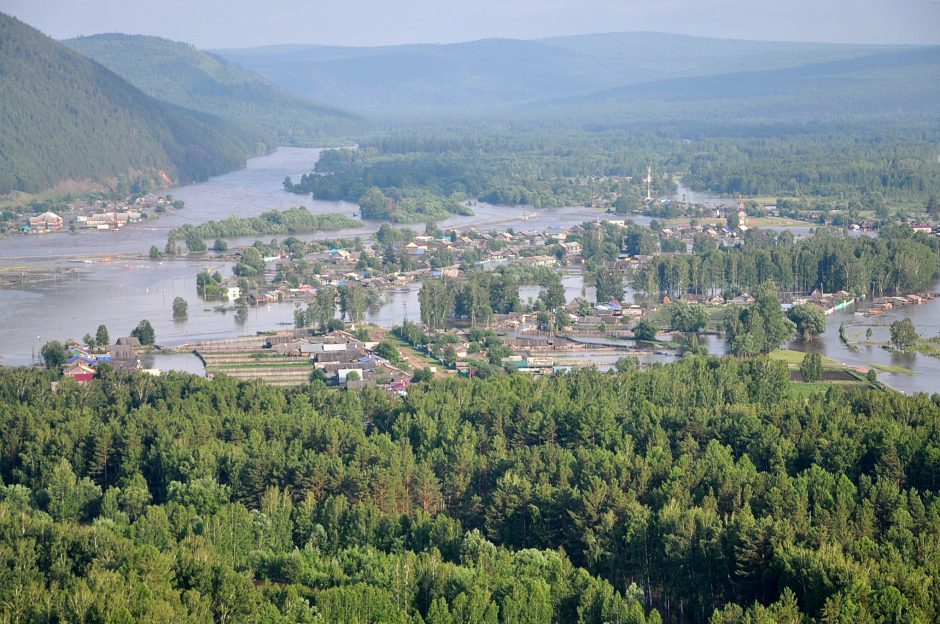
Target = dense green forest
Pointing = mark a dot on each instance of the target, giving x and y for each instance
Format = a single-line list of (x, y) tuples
[(67, 118), (853, 166), (808, 168), (183, 75), (506, 167), (687, 492)]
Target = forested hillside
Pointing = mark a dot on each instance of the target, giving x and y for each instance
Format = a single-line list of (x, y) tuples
[(899, 85), (183, 75), (691, 492), (64, 117), (496, 73)]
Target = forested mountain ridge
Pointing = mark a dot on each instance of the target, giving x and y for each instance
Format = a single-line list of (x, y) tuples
[(698, 491), (502, 72), (186, 76), (897, 84), (64, 117)]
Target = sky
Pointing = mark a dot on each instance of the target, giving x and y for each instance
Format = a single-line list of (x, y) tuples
[(248, 23)]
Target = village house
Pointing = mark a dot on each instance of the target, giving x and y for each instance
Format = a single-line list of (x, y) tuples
[(46, 222), (572, 248), (80, 371), (123, 356), (108, 220)]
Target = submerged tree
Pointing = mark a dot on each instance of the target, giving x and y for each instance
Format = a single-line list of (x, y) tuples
[(144, 332), (761, 326), (609, 285), (903, 334), (809, 320), (688, 318), (352, 301), (180, 308)]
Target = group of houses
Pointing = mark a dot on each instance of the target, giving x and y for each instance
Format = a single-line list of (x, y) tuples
[(292, 357), (342, 358), (83, 362), (97, 214), (341, 266), (43, 223), (112, 220), (880, 305)]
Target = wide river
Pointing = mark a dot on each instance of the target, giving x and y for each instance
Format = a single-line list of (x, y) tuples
[(121, 292)]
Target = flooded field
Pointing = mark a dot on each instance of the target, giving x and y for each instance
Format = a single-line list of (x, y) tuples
[(926, 318)]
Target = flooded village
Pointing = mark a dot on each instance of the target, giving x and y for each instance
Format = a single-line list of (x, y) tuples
[(254, 314), (485, 324), (93, 212)]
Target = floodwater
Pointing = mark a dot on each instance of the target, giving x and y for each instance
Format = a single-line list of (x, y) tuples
[(926, 318), (119, 296), (120, 293)]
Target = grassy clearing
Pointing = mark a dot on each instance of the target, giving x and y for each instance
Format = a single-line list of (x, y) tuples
[(806, 390), (890, 368), (929, 346), (795, 358), (776, 222)]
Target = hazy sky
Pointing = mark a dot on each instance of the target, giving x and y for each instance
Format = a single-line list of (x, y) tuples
[(242, 23)]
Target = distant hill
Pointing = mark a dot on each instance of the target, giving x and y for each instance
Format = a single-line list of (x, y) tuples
[(183, 75), (500, 73), (64, 117), (900, 85)]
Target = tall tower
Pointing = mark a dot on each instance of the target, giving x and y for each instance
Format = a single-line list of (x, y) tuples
[(649, 183)]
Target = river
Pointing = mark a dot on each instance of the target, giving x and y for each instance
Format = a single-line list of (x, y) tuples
[(121, 293)]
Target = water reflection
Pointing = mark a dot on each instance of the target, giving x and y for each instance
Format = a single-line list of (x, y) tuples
[(926, 318)]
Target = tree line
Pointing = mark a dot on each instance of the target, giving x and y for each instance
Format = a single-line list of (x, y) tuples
[(898, 261)]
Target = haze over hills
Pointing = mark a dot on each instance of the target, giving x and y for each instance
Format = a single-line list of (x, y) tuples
[(186, 76), (64, 117), (902, 85), (498, 73)]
